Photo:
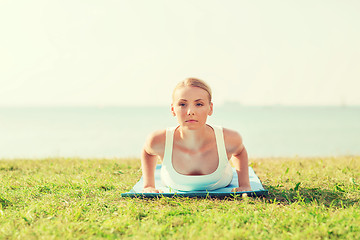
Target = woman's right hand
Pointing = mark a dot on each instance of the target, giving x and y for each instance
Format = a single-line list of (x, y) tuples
[(151, 190)]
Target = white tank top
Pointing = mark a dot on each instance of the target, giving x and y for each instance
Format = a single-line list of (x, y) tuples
[(220, 178)]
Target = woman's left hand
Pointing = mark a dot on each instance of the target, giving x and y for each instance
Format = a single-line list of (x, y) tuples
[(241, 189)]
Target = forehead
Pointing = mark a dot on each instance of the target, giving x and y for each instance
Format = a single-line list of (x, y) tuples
[(190, 93)]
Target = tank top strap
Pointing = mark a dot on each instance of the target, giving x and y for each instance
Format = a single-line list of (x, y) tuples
[(168, 145), (220, 143)]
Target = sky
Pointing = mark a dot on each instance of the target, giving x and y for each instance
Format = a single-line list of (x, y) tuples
[(117, 53)]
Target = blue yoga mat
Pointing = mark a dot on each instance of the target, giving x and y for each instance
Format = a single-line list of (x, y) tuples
[(256, 186)]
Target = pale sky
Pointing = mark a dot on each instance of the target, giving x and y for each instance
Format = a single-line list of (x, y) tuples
[(99, 53)]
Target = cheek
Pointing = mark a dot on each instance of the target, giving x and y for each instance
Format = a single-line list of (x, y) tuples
[(205, 111), (179, 111), (183, 112)]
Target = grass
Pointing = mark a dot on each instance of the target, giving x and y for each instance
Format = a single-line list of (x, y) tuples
[(69, 198)]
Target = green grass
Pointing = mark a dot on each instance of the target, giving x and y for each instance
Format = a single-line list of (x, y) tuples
[(68, 198)]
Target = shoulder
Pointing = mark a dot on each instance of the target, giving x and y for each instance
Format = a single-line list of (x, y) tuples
[(231, 135), (155, 142), (233, 141)]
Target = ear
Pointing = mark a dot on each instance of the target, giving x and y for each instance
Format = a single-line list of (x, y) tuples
[(211, 109), (172, 110)]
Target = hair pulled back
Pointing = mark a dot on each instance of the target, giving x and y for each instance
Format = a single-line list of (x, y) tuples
[(194, 82)]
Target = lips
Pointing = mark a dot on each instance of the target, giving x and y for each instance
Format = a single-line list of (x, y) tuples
[(191, 120)]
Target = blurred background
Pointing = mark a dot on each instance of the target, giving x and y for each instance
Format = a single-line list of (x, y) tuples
[(94, 78)]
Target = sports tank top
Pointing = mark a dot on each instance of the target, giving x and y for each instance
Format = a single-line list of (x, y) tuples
[(221, 177)]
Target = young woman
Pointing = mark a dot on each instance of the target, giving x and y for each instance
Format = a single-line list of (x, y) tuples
[(194, 155)]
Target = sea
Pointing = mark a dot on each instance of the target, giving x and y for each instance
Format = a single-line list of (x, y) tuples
[(120, 132)]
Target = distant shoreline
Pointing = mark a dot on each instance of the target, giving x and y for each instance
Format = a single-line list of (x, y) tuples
[(230, 104)]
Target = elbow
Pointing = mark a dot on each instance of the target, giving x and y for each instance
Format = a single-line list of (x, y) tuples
[(242, 152)]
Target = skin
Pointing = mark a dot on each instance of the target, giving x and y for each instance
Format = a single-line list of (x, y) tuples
[(194, 149)]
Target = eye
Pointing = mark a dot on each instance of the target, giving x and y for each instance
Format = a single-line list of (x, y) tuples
[(181, 104), (199, 104)]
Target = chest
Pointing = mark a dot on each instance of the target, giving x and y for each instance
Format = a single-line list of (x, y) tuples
[(200, 162)]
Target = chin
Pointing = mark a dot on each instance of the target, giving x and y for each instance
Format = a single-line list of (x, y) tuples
[(193, 126)]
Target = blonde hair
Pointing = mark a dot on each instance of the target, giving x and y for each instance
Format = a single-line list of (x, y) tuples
[(194, 82)]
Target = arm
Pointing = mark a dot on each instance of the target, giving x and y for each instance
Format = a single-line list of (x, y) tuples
[(240, 162), (239, 157), (149, 157), (148, 165)]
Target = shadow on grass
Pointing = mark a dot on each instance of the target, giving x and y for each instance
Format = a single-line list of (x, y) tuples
[(326, 197), (4, 202)]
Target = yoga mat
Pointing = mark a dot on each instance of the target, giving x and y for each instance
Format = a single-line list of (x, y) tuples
[(256, 186)]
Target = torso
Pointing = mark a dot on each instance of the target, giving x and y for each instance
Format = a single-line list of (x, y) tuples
[(182, 155), (205, 167), (200, 162)]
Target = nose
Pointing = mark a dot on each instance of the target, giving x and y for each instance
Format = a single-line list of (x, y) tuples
[(190, 111)]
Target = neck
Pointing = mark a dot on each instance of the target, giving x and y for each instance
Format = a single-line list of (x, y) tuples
[(193, 139)]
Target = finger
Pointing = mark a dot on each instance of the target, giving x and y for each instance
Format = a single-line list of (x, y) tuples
[(156, 191)]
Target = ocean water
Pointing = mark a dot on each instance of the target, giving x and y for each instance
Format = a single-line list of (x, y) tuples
[(121, 131)]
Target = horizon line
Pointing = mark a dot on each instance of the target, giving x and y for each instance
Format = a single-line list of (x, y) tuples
[(158, 105)]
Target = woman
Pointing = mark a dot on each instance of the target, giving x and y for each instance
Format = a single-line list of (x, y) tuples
[(195, 155)]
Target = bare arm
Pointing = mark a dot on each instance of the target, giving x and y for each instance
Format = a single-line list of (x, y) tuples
[(240, 162), (239, 157), (148, 165), (153, 148)]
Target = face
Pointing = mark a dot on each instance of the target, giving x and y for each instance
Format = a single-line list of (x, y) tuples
[(191, 106)]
